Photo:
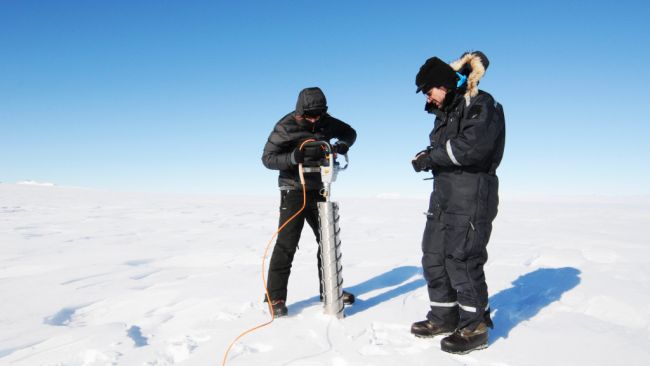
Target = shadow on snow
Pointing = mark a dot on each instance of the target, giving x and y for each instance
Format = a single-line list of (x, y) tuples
[(392, 278), (529, 294)]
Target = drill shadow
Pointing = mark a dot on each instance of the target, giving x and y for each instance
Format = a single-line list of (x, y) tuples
[(395, 277), (529, 294)]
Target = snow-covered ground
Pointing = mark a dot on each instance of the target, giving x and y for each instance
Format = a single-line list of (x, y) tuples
[(100, 278)]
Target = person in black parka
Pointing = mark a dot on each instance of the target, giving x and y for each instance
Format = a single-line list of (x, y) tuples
[(466, 147), (309, 120)]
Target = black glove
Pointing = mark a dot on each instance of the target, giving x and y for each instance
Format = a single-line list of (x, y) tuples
[(314, 153), (307, 154), (422, 161), (340, 148), (297, 156)]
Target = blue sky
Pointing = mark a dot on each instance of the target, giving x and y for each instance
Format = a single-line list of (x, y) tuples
[(180, 96)]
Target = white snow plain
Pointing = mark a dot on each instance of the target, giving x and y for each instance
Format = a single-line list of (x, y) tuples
[(102, 278)]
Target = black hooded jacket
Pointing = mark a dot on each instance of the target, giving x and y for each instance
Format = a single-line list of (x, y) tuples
[(288, 133)]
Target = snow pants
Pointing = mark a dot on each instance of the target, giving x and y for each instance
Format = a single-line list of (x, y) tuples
[(459, 223), (287, 241)]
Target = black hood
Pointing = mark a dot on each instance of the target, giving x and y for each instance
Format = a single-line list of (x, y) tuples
[(311, 99)]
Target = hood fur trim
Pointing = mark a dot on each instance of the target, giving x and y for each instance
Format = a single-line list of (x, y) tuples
[(478, 70)]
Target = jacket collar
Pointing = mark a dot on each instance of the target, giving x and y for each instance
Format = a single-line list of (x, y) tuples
[(304, 124)]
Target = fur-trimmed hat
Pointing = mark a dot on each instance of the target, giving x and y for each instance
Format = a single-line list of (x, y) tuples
[(473, 65), (435, 73)]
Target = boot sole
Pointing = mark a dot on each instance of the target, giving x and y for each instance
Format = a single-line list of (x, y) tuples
[(432, 335), (479, 347), (280, 314)]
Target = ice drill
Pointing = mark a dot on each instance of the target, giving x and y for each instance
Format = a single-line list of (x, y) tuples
[(330, 242)]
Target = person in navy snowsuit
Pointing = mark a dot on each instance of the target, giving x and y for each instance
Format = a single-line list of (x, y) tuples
[(466, 147)]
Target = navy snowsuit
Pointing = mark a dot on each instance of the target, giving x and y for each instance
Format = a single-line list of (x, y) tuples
[(466, 148)]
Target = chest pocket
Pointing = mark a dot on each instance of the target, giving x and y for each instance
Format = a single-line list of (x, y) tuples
[(446, 128), (474, 112)]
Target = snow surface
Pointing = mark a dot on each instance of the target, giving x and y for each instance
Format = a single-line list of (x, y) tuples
[(103, 278)]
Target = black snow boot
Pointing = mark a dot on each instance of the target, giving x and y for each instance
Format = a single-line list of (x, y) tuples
[(348, 298), (279, 309), (465, 340), (428, 329)]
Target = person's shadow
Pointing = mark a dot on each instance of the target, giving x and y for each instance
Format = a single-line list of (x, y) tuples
[(529, 294), (394, 277)]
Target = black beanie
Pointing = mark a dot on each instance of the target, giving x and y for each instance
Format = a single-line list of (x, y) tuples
[(435, 73)]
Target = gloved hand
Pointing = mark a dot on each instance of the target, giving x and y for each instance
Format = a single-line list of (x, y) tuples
[(297, 156), (340, 147), (314, 153), (422, 161)]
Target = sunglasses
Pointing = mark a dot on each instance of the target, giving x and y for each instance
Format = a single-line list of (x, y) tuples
[(314, 113)]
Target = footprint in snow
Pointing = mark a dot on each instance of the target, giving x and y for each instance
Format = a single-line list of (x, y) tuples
[(389, 339), (241, 349), (61, 318)]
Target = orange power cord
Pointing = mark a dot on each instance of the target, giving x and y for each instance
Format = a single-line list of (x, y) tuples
[(266, 251)]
